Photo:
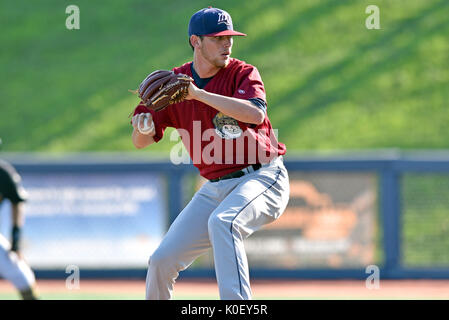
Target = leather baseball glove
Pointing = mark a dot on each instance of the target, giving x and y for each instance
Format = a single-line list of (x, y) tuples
[(162, 88)]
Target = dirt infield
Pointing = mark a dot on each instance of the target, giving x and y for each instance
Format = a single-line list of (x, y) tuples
[(262, 289)]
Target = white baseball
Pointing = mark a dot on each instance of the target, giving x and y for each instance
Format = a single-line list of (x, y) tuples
[(146, 129)]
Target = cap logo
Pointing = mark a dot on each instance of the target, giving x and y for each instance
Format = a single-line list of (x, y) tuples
[(223, 17)]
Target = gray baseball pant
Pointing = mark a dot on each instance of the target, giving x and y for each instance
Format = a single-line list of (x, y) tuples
[(13, 268), (220, 215)]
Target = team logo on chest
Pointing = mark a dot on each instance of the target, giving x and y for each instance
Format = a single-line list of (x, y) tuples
[(226, 127)]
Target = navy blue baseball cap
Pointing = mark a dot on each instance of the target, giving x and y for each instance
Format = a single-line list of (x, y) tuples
[(212, 22)]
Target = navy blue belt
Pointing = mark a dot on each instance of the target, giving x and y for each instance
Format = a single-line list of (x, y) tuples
[(239, 173)]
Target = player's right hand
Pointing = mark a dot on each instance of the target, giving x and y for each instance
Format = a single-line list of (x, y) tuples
[(143, 122), (193, 92)]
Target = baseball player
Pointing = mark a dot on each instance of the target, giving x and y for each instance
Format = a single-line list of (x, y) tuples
[(12, 265), (224, 126)]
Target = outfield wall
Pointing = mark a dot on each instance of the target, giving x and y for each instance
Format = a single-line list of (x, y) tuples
[(347, 212)]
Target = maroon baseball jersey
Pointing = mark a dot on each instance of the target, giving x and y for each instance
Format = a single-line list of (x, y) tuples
[(219, 144)]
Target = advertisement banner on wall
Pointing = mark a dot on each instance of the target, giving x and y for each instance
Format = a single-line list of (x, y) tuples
[(92, 220), (330, 222)]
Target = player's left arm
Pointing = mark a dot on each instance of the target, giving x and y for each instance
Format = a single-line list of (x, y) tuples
[(17, 224), (239, 109)]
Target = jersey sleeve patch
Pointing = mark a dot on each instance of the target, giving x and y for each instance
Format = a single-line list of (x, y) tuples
[(249, 84)]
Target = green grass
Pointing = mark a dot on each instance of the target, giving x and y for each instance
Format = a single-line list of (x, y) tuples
[(77, 296), (331, 83), (56, 296), (425, 220)]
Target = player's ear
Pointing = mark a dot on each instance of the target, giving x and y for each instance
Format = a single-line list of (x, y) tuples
[(195, 41)]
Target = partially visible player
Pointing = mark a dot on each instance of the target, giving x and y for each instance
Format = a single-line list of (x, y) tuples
[(12, 266)]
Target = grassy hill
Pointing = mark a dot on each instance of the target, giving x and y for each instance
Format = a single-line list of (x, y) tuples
[(331, 83)]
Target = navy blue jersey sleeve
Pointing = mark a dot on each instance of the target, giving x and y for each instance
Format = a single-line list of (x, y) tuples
[(258, 102), (262, 105)]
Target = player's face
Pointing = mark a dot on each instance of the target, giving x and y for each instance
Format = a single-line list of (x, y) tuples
[(217, 50)]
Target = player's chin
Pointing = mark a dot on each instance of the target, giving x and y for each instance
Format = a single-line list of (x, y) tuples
[(223, 61)]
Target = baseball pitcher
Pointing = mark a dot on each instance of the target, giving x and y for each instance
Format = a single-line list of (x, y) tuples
[(219, 108)]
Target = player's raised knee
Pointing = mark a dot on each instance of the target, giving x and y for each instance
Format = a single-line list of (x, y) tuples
[(218, 222)]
